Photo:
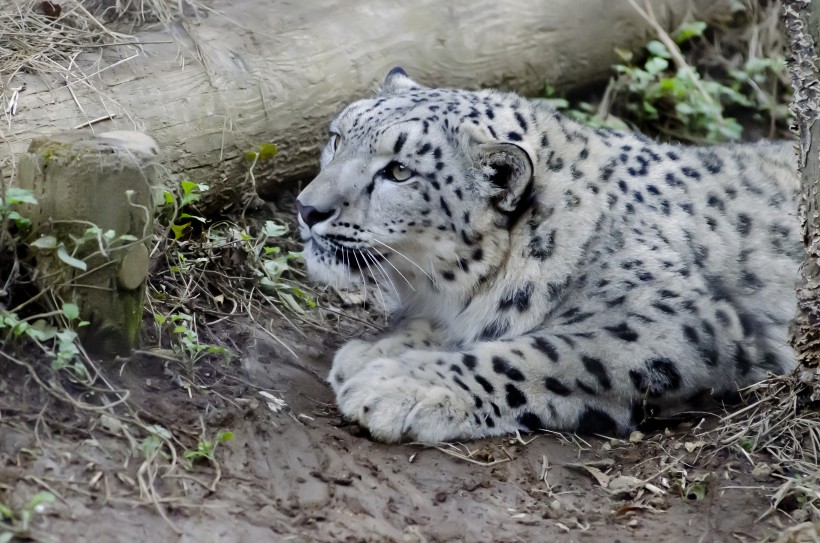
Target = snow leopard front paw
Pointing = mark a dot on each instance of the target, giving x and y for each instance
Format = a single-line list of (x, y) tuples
[(354, 355), (348, 361), (394, 404)]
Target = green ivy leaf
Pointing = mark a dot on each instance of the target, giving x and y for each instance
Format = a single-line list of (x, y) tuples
[(191, 192), (267, 150), (63, 255), (41, 498), (556, 103), (273, 230), (687, 31), (16, 195), (5, 512), (179, 229), (187, 186), (189, 216), (291, 302), (71, 311), (18, 219), (150, 445), (650, 109), (656, 65), (44, 243), (159, 431), (42, 331), (658, 49), (624, 54)]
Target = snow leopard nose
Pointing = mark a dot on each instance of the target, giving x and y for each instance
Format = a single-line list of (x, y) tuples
[(312, 216)]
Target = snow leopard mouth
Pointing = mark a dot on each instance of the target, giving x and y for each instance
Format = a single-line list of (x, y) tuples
[(346, 252)]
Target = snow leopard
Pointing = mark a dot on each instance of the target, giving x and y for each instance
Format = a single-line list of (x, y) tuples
[(541, 274)]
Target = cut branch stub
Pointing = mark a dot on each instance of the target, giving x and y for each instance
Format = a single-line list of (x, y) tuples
[(91, 227)]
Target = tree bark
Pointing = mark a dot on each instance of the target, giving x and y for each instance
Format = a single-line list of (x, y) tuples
[(802, 18), (209, 90)]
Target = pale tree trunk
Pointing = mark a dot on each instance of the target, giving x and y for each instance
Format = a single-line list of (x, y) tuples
[(209, 90), (802, 18)]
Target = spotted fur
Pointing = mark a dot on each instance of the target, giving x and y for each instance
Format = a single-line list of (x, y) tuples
[(546, 274)]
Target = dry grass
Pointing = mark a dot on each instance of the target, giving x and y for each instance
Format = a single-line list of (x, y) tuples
[(214, 274), (156, 449), (780, 425), (46, 38)]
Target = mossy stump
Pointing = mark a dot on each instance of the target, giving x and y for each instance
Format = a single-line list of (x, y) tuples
[(91, 228)]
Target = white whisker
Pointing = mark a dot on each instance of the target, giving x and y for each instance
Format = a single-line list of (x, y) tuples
[(376, 281), (384, 272), (410, 260), (346, 256), (406, 280), (361, 272), (369, 258)]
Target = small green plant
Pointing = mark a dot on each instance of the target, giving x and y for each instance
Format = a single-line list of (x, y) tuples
[(264, 152), (265, 259), (18, 524), (239, 267), (58, 343), (104, 241), (13, 197), (747, 444), (273, 262), (206, 448), (53, 332), (583, 112), (175, 206), (666, 85), (665, 93), (185, 342)]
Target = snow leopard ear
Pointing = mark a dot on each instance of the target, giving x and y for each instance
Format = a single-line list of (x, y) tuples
[(508, 168), (398, 82)]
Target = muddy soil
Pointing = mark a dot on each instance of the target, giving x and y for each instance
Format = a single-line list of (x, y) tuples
[(297, 473)]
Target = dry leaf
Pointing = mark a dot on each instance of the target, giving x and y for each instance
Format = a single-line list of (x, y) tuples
[(625, 484), (691, 446)]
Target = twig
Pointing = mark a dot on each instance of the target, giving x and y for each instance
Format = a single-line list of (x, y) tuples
[(94, 121)]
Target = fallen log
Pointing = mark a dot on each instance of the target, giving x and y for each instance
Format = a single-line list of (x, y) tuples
[(211, 89)]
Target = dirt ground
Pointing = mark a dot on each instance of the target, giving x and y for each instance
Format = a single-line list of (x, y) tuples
[(299, 474)]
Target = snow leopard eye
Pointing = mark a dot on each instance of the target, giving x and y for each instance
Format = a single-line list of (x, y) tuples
[(335, 140), (397, 172)]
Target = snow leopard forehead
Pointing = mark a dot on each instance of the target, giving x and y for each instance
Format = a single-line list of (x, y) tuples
[(429, 113)]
